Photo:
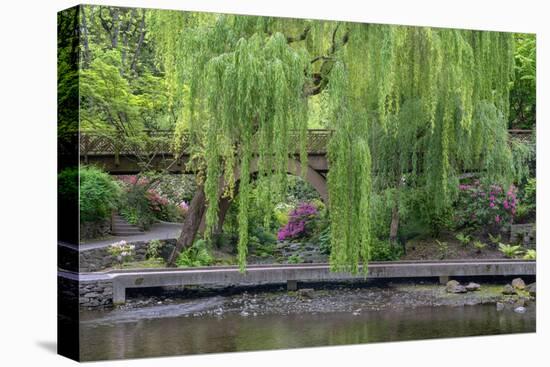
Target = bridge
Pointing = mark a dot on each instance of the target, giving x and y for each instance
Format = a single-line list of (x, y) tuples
[(122, 155), (119, 155), (291, 274)]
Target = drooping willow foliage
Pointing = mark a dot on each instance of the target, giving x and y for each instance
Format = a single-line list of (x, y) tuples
[(407, 105)]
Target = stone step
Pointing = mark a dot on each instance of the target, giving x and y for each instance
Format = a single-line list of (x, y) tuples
[(124, 225), (126, 233), (121, 227)]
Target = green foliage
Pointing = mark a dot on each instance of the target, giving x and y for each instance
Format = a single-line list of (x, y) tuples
[(523, 93), (495, 239), (443, 249), (410, 108), (479, 246), (99, 194), (136, 208), (122, 251), (121, 89), (510, 251), (153, 249), (196, 255), (67, 184), (281, 213), (295, 259), (463, 238), (323, 240), (530, 255), (528, 203), (384, 250)]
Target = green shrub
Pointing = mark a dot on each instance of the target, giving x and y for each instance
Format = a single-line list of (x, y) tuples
[(67, 184), (153, 249), (384, 250), (99, 194), (295, 259), (136, 208), (196, 255), (323, 240)]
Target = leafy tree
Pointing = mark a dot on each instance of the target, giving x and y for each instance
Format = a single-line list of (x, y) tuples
[(523, 93), (409, 106)]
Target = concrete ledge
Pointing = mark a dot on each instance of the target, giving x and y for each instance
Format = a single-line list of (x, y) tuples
[(290, 274)]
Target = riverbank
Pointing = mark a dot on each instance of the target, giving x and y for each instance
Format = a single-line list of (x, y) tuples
[(314, 298)]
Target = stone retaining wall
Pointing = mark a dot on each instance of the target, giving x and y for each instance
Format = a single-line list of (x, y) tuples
[(95, 294), (99, 258), (90, 230)]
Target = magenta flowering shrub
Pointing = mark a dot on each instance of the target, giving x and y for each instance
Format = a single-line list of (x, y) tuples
[(300, 222), (485, 205)]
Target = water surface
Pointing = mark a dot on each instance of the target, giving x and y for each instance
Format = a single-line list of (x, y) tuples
[(173, 330)]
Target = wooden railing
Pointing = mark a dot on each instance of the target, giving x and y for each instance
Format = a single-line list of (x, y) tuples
[(161, 142)]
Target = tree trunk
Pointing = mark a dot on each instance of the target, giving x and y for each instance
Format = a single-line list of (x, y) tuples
[(394, 226), (190, 225)]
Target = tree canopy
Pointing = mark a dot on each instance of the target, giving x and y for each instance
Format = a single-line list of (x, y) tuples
[(407, 106)]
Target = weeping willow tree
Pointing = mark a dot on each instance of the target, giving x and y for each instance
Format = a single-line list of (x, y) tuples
[(406, 106)]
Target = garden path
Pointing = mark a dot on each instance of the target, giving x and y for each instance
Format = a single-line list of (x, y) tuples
[(158, 231)]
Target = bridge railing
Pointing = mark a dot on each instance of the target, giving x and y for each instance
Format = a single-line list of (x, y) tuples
[(162, 142)]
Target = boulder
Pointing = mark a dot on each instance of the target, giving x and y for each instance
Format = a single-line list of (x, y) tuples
[(518, 283), (454, 287), (500, 306), (520, 309), (472, 287), (305, 292), (509, 290), (532, 289)]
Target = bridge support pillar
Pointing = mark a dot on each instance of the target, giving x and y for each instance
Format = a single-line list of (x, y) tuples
[(291, 285), (443, 279), (119, 294)]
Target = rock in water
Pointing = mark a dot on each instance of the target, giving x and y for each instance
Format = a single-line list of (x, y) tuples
[(520, 303), (509, 290), (454, 287), (472, 287), (500, 306), (518, 283), (520, 309)]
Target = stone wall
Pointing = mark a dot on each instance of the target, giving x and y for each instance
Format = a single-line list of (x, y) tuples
[(99, 258), (99, 229), (95, 294)]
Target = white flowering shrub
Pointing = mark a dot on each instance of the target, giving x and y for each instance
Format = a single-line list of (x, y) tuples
[(122, 251)]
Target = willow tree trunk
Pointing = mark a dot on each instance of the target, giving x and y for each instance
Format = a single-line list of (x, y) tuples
[(394, 226), (190, 225)]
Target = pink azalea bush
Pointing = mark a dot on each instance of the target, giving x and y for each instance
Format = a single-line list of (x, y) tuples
[(157, 203), (486, 205), (300, 221)]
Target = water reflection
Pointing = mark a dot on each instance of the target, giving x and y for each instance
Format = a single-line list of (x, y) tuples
[(110, 338)]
